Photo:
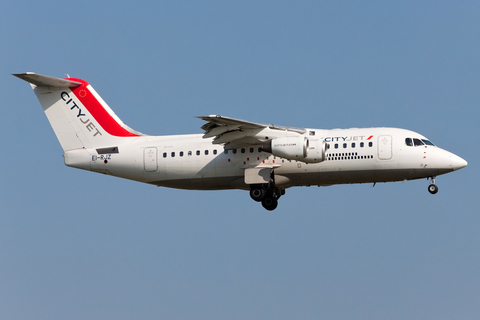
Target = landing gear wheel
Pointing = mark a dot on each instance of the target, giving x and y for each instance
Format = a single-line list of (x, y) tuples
[(269, 203), (433, 188), (257, 194)]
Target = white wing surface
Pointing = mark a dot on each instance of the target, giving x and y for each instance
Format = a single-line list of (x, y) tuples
[(235, 133)]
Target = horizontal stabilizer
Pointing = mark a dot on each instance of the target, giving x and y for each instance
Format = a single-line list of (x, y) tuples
[(46, 81)]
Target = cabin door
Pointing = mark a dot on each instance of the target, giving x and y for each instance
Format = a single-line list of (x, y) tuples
[(384, 147), (150, 159)]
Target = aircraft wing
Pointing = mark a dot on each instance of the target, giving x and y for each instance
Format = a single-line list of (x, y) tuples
[(236, 133)]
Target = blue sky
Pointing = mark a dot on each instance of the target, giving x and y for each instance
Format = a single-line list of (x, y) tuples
[(78, 245)]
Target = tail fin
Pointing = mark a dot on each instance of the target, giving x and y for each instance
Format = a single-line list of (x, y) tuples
[(77, 114)]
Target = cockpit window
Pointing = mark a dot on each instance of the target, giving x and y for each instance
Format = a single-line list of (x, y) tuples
[(427, 142), (417, 142)]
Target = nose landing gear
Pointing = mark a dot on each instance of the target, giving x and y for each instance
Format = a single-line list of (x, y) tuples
[(432, 188)]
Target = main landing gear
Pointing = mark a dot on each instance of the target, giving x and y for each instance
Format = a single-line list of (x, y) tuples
[(432, 188), (267, 194)]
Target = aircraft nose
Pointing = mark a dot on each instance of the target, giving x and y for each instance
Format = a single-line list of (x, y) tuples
[(457, 162)]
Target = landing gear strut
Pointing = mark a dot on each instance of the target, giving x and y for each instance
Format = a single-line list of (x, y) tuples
[(432, 188)]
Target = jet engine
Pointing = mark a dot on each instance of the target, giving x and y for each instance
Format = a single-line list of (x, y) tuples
[(296, 148)]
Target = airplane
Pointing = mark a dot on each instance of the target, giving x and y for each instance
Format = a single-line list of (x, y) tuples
[(231, 153)]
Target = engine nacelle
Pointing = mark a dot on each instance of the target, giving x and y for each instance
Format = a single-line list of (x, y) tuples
[(296, 148), (316, 151)]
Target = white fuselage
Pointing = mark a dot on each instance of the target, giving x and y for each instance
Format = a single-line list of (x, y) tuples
[(191, 162)]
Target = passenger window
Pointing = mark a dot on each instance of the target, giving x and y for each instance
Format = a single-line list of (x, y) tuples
[(336, 145), (173, 154), (370, 144), (234, 151), (189, 153), (408, 142), (328, 146), (181, 153), (344, 145), (243, 150), (417, 142), (353, 144), (164, 154), (259, 149), (362, 144), (215, 151), (206, 152), (251, 150), (198, 152)]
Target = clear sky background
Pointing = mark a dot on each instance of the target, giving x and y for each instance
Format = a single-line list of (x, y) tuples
[(80, 245)]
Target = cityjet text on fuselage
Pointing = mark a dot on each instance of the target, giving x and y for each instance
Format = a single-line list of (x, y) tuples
[(345, 139)]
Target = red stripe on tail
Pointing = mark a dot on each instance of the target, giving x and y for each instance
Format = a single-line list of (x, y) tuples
[(109, 124)]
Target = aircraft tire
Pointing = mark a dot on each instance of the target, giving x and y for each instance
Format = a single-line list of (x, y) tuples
[(432, 188), (257, 194), (269, 203)]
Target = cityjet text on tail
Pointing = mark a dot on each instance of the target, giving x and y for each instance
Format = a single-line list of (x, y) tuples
[(232, 153)]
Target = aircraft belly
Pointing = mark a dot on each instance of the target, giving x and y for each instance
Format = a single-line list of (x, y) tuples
[(289, 179), (323, 178), (206, 183)]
